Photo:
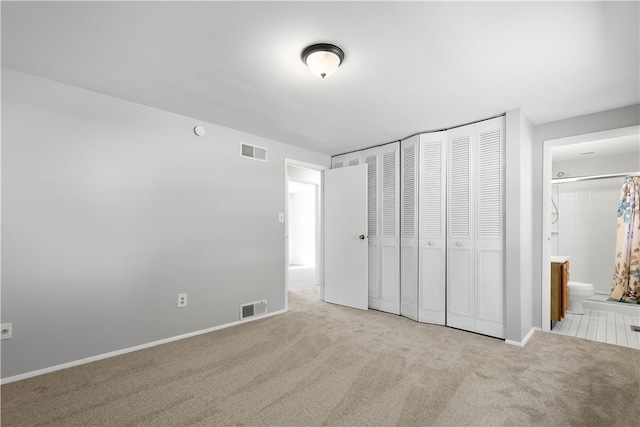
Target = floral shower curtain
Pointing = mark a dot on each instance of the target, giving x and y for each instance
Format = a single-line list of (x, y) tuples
[(626, 280)]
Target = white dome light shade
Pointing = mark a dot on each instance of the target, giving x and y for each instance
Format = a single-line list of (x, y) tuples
[(323, 59)]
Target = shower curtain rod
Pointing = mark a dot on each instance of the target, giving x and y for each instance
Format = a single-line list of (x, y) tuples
[(587, 178)]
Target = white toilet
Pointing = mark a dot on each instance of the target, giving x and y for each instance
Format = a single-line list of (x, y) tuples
[(578, 292)]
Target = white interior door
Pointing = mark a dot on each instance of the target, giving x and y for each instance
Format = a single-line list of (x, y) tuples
[(345, 236)]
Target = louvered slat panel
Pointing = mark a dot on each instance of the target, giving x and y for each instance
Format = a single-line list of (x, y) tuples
[(389, 194), (354, 162), (490, 184), (372, 185), (408, 218), (460, 194), (337, 162), (431, 187)]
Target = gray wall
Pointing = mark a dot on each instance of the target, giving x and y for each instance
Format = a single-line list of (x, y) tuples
[(518, 232), (604, 165), (110, 209), (590, 123)]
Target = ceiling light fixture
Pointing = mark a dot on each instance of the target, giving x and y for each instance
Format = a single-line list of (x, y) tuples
[(323, 59)]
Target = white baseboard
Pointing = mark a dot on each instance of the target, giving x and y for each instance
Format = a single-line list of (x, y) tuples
[(130, 349), (525, 339)]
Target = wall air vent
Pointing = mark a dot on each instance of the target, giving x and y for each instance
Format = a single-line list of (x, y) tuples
[(253, 152), (253, 309)]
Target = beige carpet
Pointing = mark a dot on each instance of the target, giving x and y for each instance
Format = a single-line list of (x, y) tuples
[(322, 364)]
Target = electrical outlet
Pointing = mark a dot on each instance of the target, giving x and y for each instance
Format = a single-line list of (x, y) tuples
[(6, 331), (182, 300)]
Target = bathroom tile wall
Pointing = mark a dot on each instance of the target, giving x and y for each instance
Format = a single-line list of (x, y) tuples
[(555, 220), (587, 229)]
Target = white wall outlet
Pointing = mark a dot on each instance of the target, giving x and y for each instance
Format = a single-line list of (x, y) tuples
[(182, 300), (280, 216), (6, 331)]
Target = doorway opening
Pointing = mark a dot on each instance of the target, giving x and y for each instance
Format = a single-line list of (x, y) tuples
[(565, 160), (303, 225), (303, 198)]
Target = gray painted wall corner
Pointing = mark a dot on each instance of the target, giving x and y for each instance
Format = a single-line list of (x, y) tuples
[(110, 209)]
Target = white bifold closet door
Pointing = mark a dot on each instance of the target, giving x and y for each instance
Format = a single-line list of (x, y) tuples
[(351, 159), (432, 243), (475, 270), (436, 226), (384, 227), (460, 242), (337, 162), (489, 187), (423, 243), (409, 167)]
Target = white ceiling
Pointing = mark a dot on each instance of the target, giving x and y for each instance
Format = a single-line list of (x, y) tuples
[(410, 66), (626, 145)]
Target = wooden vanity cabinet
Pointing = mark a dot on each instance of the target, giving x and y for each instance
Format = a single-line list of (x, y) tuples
[(559, 289)]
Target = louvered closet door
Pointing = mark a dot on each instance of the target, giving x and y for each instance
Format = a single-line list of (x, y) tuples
[(489, 187), (460, 242), (371, 159), (353, 159), (432, 243), (409, 154), (389, 226), (337, 162)]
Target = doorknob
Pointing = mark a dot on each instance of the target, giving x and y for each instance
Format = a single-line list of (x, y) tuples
[(458, 244), (431, 243), (361, 237)]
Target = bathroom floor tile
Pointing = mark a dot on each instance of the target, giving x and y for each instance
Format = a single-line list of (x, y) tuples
[(594, 325)]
